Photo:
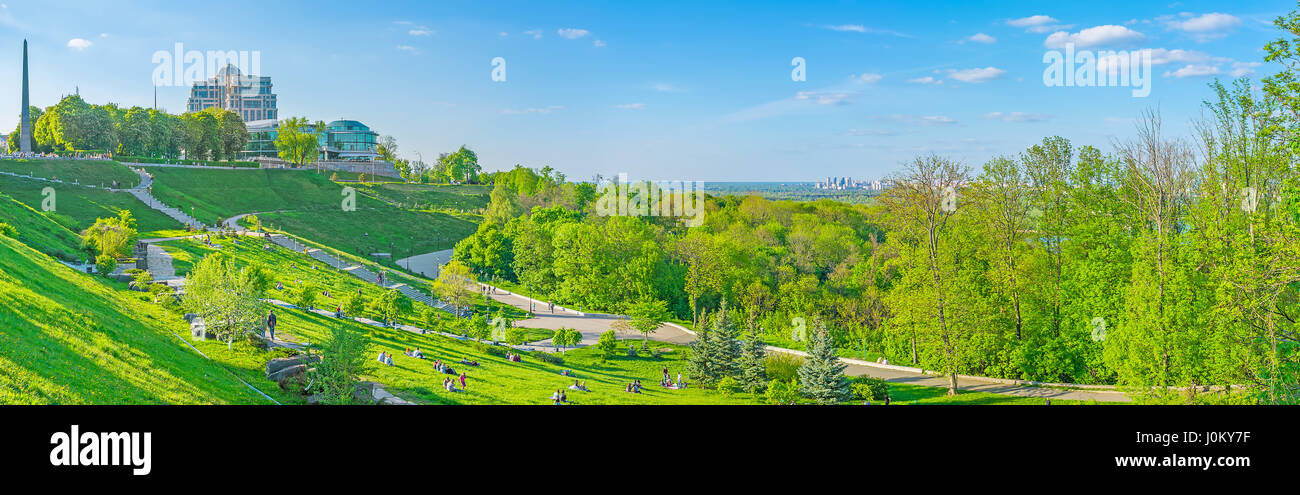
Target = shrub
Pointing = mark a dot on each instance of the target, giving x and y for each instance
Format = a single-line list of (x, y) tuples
[(727, 386), (607, 345), (489, 349), (8, 231), (105, 264), (869, 388), (548, 358), (631, 350), (782, 366), (781, 392), (516, 336)]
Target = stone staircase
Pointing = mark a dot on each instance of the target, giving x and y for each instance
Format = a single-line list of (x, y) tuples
[(141, 192)]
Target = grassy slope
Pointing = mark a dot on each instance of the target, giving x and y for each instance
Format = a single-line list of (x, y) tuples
[(314, 208), (38, 230), (71, 339), (450, 197), (77, 207), (97, 172)]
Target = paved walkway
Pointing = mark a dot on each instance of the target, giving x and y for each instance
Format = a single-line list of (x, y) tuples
[(427, 264)]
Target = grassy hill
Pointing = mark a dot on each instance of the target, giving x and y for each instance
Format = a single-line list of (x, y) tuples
[(72, 339), (77, 207), (40, 231), (96, 172), (464, 198), (308, 204)]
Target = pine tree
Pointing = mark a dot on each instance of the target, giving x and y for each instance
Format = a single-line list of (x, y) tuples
[(700, 366), (753, 371), (726, 347), (822, 374)]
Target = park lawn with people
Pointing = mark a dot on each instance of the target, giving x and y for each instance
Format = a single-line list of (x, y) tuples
[(72, 338), (93, 172), (77, 207)]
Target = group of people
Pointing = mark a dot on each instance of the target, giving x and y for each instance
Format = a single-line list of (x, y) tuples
[(559, 397), (415, 353), (579, 385), (633, 388), (385, 358), (667, 381), (512, 357), (443, 368), (450, 385), (465, 361)]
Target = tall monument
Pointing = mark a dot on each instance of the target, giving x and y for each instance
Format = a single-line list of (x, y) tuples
[(25, 134)]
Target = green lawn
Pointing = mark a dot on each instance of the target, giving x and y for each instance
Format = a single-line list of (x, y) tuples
[(465, 198), (69, 338), (213, 194), (39, 231), (96, 172), (77, 207)]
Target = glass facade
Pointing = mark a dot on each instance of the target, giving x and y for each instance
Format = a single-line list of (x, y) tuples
[(346, 140)]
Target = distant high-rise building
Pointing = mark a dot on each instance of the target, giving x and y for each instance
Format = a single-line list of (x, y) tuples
[(248, 96), (25, 128)]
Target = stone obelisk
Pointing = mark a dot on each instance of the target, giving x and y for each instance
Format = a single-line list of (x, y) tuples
[(25, 134)]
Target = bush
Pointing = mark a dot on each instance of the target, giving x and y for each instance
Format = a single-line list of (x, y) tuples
[(631, 350), (548, 358), (779, 392), (782, 366), (105, 264), (516, 336), (869, 388), (608, 344), (489, 349), (8, 231), (727, 386)]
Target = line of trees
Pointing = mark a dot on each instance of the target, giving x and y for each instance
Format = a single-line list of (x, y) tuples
[(75, 125)]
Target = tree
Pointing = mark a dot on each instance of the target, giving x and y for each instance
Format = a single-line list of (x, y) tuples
[(753, 366), (479, 328), (715, 352), (305, 296), (390, 305), (697, 252), (455, 285), (646, 317), (607, 345), (113, 236), (821, 377), (232, 134), (343, 357), (566, 337), (918, 206), (296, 143), (355, 305), (224, 296)]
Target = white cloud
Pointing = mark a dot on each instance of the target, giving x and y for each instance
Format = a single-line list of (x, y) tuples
[(1194, 70), (982, 38), (503, 34), (1243, 68), (408, 49), (572, 33), (1036, 23), (868, 78), (420, 31), (976, 75), (103, 35), (924, 119), (925, 80), (1017, 117), (1106, 35), (632, 106), (598, 43), (78, 44), (823, 97), (856, 28), (542, 111), (870, 132), (1206, 23), (535, 33)]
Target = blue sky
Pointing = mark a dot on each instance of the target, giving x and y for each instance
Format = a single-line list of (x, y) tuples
[(663, 90)]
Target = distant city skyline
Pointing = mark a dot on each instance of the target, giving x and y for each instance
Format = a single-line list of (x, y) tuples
[(671, 90)]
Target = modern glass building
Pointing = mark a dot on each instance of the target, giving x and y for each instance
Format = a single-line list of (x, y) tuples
[(346, 140)]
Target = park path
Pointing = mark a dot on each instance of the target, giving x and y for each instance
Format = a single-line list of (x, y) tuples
[(143, 192), (592, 325), (427, 264)]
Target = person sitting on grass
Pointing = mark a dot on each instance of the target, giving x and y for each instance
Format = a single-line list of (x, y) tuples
[(574, 386), (417, 354), (465, 361), (555, 397), (564, 396)]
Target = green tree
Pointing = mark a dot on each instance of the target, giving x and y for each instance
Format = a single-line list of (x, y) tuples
[(225, 296), (753, 368), (343, 358), (821, 377)]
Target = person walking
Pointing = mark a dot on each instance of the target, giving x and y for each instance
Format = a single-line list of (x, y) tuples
[(270, 324), (462, 380)]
